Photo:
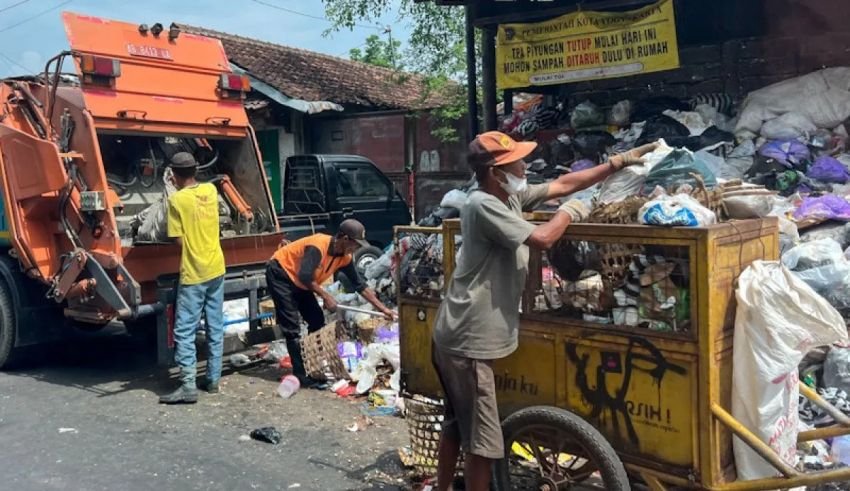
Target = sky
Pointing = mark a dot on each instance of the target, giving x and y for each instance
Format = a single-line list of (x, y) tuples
[(31, 31)]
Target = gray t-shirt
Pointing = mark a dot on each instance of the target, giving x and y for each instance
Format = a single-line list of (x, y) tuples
[(479, 318)]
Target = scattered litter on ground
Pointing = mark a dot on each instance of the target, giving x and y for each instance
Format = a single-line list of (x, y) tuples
[(268, 434)]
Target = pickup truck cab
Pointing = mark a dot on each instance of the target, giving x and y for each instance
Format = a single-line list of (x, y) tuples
[(320, 191)]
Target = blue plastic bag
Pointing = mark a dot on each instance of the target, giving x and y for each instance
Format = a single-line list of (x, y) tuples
[(659, 214), (680, 210)]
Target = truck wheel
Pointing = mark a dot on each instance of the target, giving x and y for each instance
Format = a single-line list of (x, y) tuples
[(7, 326), (365, 256), (553, 449)]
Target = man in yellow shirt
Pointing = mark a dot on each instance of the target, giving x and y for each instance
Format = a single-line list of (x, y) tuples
[(193, 223)]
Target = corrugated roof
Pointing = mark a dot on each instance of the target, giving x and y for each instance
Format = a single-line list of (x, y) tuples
[(312, 76)]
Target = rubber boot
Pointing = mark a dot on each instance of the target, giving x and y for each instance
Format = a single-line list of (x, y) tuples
[(209, 387), (187, 393), (295, 354)]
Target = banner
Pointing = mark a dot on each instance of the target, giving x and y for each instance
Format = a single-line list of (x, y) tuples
[(587, 46)]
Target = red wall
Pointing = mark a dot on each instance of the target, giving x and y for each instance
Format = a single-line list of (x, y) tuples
[(379, 138), (388, 140)]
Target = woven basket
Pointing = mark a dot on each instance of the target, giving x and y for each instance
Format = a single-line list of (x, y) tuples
[(616, 259), (424, 424), (321, 354), (623, 212)]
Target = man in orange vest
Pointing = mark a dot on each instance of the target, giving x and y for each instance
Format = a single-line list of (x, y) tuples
[(294, 277)]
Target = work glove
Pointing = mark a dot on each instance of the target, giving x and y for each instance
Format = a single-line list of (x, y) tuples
[(577, 210), (632, 157)]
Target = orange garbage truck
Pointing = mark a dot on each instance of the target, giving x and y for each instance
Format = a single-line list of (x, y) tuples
[(84, 182)]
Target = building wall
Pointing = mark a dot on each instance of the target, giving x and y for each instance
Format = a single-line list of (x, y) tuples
[(380, 138), (398, 143)]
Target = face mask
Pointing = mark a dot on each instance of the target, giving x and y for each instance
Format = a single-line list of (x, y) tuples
[(514, 185)]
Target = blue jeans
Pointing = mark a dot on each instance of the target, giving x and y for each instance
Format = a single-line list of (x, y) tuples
[(208, 298)]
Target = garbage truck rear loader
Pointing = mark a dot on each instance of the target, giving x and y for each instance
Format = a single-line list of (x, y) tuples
[(84, 180)]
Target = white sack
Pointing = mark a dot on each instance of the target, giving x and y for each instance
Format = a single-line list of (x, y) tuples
[(779, 319)]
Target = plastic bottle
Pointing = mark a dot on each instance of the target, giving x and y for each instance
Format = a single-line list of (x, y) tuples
[(289, 385), (841, 450)]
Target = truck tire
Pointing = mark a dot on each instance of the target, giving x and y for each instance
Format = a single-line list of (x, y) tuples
[(365, 256), (571, 435), (7, 327)]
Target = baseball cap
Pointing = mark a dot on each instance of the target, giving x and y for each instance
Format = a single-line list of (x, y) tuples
[(495, 148), (183, 160), (354, 230)]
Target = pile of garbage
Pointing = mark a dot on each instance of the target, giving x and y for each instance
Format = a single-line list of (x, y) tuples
[(781, 152)]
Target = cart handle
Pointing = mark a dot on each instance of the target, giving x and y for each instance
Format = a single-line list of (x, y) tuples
[(753, 441), (830, 409)]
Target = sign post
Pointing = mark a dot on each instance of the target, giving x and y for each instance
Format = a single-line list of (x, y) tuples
[(587, 46)]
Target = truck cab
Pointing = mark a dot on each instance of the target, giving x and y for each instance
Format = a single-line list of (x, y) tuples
[(320, 191)]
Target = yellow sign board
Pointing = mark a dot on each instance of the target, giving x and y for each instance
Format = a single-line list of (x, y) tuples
[(587, 46)]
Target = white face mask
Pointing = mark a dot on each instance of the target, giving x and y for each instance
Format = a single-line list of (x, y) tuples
[(515, 184)]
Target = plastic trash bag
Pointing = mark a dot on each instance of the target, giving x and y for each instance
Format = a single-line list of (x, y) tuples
[(454, 199), (713, 117), (661, 126), (692, 120), (587, 114), (152, 222), (837, 231), (778, 320), (680, 210), (790, 153), (827, 207), (789, 235), (582, 164), (823, 266), (268, 434), (788, 127), (820, 263), (629, 181), (711, 138), (593, 144), (381, 267), (676, 169), (828, 169), (718, 166), (620, 114), (836, 368), (821, 96)]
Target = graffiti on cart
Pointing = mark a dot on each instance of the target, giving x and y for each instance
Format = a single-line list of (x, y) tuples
[(612, 402)]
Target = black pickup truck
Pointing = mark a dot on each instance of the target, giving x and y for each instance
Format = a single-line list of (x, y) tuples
[(320, 191)]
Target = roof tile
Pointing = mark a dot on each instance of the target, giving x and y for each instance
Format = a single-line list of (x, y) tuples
[(312, 76)]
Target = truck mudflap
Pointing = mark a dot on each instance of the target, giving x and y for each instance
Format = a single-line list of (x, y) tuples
[(247, 283)]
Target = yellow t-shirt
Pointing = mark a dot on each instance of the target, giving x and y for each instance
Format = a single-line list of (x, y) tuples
[(193, 216)]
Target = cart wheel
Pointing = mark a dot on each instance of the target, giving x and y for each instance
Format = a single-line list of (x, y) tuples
[(549, 449)]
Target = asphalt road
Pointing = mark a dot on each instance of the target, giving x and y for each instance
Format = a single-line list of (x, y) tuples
[(88, 419)]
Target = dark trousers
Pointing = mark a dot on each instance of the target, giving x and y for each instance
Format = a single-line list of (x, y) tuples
[(289, 301)]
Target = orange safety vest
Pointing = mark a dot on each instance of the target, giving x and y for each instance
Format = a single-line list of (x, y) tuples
[(289, 258)]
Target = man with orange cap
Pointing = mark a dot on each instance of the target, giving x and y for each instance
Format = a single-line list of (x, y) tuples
[(478, 320)]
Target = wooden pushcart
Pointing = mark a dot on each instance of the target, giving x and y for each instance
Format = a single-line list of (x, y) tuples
[(659, 398)]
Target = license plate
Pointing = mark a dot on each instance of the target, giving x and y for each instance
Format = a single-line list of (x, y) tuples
[(148, 51)]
